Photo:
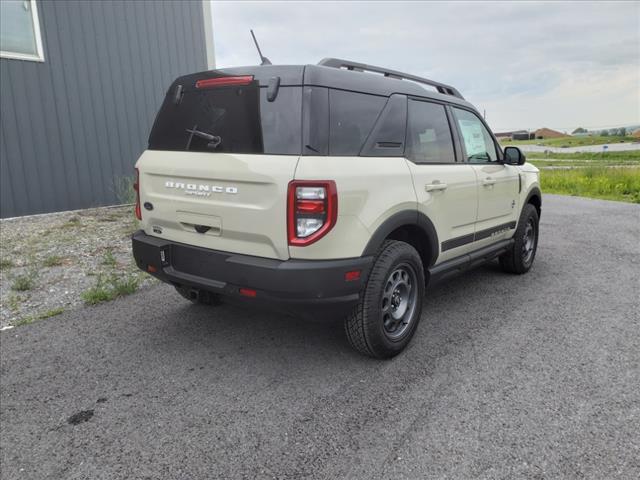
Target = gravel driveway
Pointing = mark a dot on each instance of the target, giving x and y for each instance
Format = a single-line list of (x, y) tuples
[(49, 261), (534, 376)]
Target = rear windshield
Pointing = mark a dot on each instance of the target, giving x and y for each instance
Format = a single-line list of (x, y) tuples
[(229, 119)]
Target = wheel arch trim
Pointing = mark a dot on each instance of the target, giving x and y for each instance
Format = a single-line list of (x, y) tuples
[(412, 218), (534, 192)]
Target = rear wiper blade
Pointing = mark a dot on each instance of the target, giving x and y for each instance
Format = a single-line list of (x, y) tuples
[(213, 140)]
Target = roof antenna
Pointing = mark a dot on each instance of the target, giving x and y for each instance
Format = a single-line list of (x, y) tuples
[(264, 60)]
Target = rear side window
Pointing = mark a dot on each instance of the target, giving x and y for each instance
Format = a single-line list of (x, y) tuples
[(429, 137), (351, 118), (241, 118)]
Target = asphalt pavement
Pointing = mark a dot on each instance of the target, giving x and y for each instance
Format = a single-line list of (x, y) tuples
[(534, 376)]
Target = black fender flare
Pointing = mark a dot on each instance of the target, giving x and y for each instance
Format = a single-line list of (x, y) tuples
[(401, 219), (534, 192)]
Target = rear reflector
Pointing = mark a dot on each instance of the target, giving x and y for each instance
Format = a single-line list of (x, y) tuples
[(310, 206), (351, 276), (224, 81), (136, 188), (247, 292), (151, 269)]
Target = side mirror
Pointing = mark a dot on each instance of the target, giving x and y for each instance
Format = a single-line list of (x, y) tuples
[(514, 156)]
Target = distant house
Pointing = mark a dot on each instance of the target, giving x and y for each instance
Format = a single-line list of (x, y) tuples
[(515, 135), (503, 135), (522, 135), (542, 133), (636, 133)]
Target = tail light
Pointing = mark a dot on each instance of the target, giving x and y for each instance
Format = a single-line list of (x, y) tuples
[(224, 81), (312, 210), (136, 187)]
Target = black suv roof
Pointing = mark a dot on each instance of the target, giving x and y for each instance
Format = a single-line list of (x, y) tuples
[(357, 77)]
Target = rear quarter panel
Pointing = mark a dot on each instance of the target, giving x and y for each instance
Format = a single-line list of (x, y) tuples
[(370, 190)]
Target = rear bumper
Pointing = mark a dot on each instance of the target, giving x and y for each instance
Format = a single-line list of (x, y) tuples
[(308, 288)]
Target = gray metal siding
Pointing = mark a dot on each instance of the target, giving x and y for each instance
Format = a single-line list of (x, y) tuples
[(69, 127)]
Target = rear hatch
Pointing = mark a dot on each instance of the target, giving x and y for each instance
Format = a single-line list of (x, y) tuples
[(222, 151)]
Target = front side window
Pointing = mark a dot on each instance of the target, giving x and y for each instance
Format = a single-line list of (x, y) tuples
[(429, 137), (20, 30), (478, 143)]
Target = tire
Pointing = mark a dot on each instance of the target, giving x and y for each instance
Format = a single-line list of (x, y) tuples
[(521, 255), (386, 318), (198, 296)]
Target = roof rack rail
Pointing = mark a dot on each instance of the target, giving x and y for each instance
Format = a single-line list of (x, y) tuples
[(362, 67)]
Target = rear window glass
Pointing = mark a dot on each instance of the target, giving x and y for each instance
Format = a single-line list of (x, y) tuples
[(240, 117), (351, 118)]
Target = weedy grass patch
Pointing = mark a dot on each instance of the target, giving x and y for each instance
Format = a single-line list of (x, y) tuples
[(125, 286), (622, 184), (52, 261), (14, 300), (109, 259), (110, 287), (24, 282), (73, 222), (6, 264), (48, 314)]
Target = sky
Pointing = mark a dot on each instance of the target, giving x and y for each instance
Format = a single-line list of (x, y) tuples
[(559, 65)]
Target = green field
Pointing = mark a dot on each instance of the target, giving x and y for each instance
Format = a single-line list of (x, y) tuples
[(572, 141), (629, 156), (622, 184), (584, 159)]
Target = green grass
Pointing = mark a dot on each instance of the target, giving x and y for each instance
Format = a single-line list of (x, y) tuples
[(542, 163), (125, 286), (97, 294), (584, 159), (572, 141), (6, 264), (109, 259), (52, 261), (73, 222), (14, 301), (24, 282), (622, 184), (629, 156), (110, 288), (48, 314)]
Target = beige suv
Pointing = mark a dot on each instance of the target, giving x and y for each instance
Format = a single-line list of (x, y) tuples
[(337, 189)]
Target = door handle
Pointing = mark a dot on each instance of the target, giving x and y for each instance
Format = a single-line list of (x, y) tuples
[(487, 182), (436, 185)]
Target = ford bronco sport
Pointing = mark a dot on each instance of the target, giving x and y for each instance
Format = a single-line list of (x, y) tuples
[(330, 189)]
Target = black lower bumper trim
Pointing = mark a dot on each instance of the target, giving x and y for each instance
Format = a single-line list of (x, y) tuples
[(311, 288)]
